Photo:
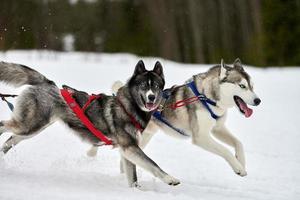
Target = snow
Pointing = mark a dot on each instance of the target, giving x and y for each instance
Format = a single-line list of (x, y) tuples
[(54, 165)]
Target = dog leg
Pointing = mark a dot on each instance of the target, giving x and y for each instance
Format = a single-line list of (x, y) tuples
[(122, 170), (201, 126), (11, 142), (135, 155), (208, 143), (92, 152), (148, 133), (223, 134), (2, 128), (21, 131), (130, 171)]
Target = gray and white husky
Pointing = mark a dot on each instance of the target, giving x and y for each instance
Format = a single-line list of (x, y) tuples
[(41, 104), (228, 87)]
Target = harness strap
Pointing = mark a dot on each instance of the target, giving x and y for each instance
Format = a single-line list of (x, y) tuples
[(205, 101), (198, 96), (90, 100), (132, 118), (158, 116), (3, 97), (83, 118)]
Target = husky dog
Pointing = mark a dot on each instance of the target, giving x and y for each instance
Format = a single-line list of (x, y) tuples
[(42, 104), (228, 87)]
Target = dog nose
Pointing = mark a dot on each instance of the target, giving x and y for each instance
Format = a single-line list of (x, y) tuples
[(151, 97), (257, 101)]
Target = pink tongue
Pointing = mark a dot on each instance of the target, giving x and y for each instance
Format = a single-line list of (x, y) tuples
[(248, 111)]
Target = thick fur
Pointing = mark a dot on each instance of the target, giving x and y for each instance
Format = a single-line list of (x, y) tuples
[(41, 104), (220, 83)]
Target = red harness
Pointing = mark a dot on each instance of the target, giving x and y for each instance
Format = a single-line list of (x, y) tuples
[(67, 95), (137, 125)]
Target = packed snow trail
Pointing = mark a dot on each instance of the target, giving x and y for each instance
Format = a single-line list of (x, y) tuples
[(54, 165)]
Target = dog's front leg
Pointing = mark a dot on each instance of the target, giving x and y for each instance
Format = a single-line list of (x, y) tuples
[(135, 155), (224, 135), (148, 133), (202, 138), (130, 170), (208, 143)]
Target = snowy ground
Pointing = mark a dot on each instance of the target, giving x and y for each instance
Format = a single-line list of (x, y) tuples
[(53, 165)]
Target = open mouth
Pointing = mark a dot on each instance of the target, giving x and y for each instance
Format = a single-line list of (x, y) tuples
[(244, 109), (149, 106)]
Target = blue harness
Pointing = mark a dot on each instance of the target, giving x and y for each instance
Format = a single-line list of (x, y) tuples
[(4, 96), (202, 99)]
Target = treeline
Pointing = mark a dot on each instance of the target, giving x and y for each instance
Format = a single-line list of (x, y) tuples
[(260, 32)]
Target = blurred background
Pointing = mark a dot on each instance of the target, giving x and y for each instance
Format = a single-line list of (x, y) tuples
[(260, 32)]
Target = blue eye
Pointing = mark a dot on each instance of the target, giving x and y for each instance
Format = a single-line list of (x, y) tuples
[(242, 86)]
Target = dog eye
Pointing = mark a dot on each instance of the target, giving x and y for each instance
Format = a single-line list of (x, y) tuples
[(143, 85), (242, 86), (156, 86)]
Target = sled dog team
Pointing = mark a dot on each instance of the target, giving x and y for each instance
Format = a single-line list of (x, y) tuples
[(196, 109)]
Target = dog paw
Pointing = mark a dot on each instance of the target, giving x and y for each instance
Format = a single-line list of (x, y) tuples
[(92, 152), (239, 170), (171, 180), (242, 174), (135, 185)]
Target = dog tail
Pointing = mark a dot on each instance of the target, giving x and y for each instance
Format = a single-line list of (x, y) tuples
[(116, 86), (18, 75)]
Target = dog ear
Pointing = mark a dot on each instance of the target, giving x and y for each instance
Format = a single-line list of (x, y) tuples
[(140, 68), (237, 64), (158, 69), (222, 70)]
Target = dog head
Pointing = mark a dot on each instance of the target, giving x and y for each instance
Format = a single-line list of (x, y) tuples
[(236, 88), (146, 86)]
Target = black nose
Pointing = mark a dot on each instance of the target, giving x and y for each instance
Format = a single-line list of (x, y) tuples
[(257, 101), (151, 97)]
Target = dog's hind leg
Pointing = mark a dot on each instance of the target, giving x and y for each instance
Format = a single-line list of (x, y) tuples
[(17, 128), (2, 128), (21, 131), (130, 171), (135, 155), (223, 134), (11, 142)]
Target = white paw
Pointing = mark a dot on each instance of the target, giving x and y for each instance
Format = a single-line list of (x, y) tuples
[(240, 170), (92, 152), (171, 180)]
